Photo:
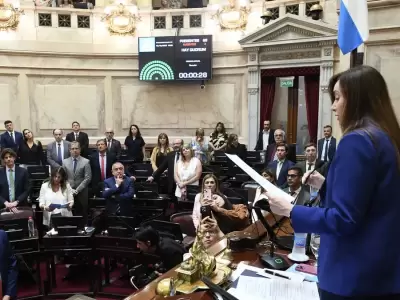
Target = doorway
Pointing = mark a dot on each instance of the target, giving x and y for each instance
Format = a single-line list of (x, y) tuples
[(290, 100)]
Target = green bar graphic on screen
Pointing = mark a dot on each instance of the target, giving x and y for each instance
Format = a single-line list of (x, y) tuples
[(156, 70)]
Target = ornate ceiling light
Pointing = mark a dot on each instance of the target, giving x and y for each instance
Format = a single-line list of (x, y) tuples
[(9, 16), (121, 20), (233, 16)]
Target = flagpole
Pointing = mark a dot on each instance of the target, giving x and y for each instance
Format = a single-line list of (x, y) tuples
[(353, 58)]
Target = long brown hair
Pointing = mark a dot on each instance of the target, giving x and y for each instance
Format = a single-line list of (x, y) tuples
[(63, 178), (367, 103)]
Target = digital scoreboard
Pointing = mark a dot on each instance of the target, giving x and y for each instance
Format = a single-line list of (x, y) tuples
[(175, 58)]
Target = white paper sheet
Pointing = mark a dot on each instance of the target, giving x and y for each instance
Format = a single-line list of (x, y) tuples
[(293, 276), (276, 289), (268, 186)]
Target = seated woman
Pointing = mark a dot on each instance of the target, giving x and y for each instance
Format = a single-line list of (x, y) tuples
[(56, 192), (260, 192), (234, 147), (212, 203), (187, 170), (159, 153)]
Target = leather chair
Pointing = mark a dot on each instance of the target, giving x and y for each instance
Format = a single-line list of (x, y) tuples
[(184, 219)]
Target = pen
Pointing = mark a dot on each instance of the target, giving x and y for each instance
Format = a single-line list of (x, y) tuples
[(275, 274)]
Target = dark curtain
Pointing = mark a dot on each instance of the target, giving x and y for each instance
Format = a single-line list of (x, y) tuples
[(311, 83), (267, 99)]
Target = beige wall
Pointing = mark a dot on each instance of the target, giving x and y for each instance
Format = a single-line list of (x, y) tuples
[(51, 76)]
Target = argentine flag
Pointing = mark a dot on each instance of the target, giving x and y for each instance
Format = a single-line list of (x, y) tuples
[(353, 24)]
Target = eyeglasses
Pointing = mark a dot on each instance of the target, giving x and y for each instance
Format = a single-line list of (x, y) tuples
[(292, 175), (109, 132)]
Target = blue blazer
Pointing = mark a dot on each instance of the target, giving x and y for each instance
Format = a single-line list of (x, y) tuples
[(282, 179), (8, 267), (7, 142), (359, 223), (121, 196)]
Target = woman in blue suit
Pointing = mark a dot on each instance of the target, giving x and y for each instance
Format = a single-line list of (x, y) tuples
[(8, 268), (359, 255)]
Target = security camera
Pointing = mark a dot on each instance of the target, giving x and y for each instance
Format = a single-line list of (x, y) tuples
[(203, 85)]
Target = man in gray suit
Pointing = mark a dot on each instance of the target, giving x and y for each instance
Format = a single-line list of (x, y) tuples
[(58, 150), (79, 177)]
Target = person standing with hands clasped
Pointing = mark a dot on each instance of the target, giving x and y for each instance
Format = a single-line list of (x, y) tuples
[(358, 223)]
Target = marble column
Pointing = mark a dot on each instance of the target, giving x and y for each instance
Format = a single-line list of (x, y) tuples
[(253, 100), (325, 113)]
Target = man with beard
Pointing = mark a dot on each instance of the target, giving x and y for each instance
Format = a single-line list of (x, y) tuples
[(169, 163)]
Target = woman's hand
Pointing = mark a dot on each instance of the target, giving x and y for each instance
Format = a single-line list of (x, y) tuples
[(279, 205), (47, 208), (315, 180), (208, 224), (181, 184), (214, 206)]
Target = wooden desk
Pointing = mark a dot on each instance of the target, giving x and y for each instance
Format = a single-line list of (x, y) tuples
[(148, 292)]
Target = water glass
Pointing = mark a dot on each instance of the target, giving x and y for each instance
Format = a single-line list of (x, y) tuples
[(314, 245)]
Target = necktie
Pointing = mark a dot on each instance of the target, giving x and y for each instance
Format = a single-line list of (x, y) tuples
[(103, 176), (75, 163), (12, 136), (59, 155), (278, 168), (326, 150), (177, 156), (109, 145), (292, 194), (12, 186), (76, 136), (309, 166)]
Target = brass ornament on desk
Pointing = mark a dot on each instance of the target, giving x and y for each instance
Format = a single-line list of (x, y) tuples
[(200, 264), (9, 16), (232, 16), (121, 21)]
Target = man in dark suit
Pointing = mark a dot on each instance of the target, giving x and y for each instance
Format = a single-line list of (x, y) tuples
[(265, 137), (281, 165), (271, 155), (311, 162), (327, 145), (113, 145), (10, 139), (78, 136), (101, 165), (14, 183), (8, 269), (118, 191), (169, 163), (295, 188)]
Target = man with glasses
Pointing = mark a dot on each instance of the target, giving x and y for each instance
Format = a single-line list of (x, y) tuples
[(113, 145), (79, 177), (295, 187), (271, 154), (118, 192)]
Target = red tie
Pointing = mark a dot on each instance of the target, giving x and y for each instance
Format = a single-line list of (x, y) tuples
[(103, 174)]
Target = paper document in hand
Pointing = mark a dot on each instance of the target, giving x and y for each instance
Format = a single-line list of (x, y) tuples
[(268, 186), (276, 289)]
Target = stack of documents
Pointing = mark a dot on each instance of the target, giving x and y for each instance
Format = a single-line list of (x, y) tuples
[(249, 280)]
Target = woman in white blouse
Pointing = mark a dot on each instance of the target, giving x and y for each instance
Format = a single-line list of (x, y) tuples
[(56, 191), (188, 171)]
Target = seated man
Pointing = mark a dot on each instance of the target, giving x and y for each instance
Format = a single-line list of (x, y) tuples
[(14, 186), (118, 192), (8, 269), (169, 251), (295, 189)]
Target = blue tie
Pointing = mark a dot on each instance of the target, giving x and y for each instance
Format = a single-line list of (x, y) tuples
[(75, 163), (59, 156)]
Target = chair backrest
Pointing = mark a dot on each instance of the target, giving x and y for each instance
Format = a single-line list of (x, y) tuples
[(251, 186), (184, 219)]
